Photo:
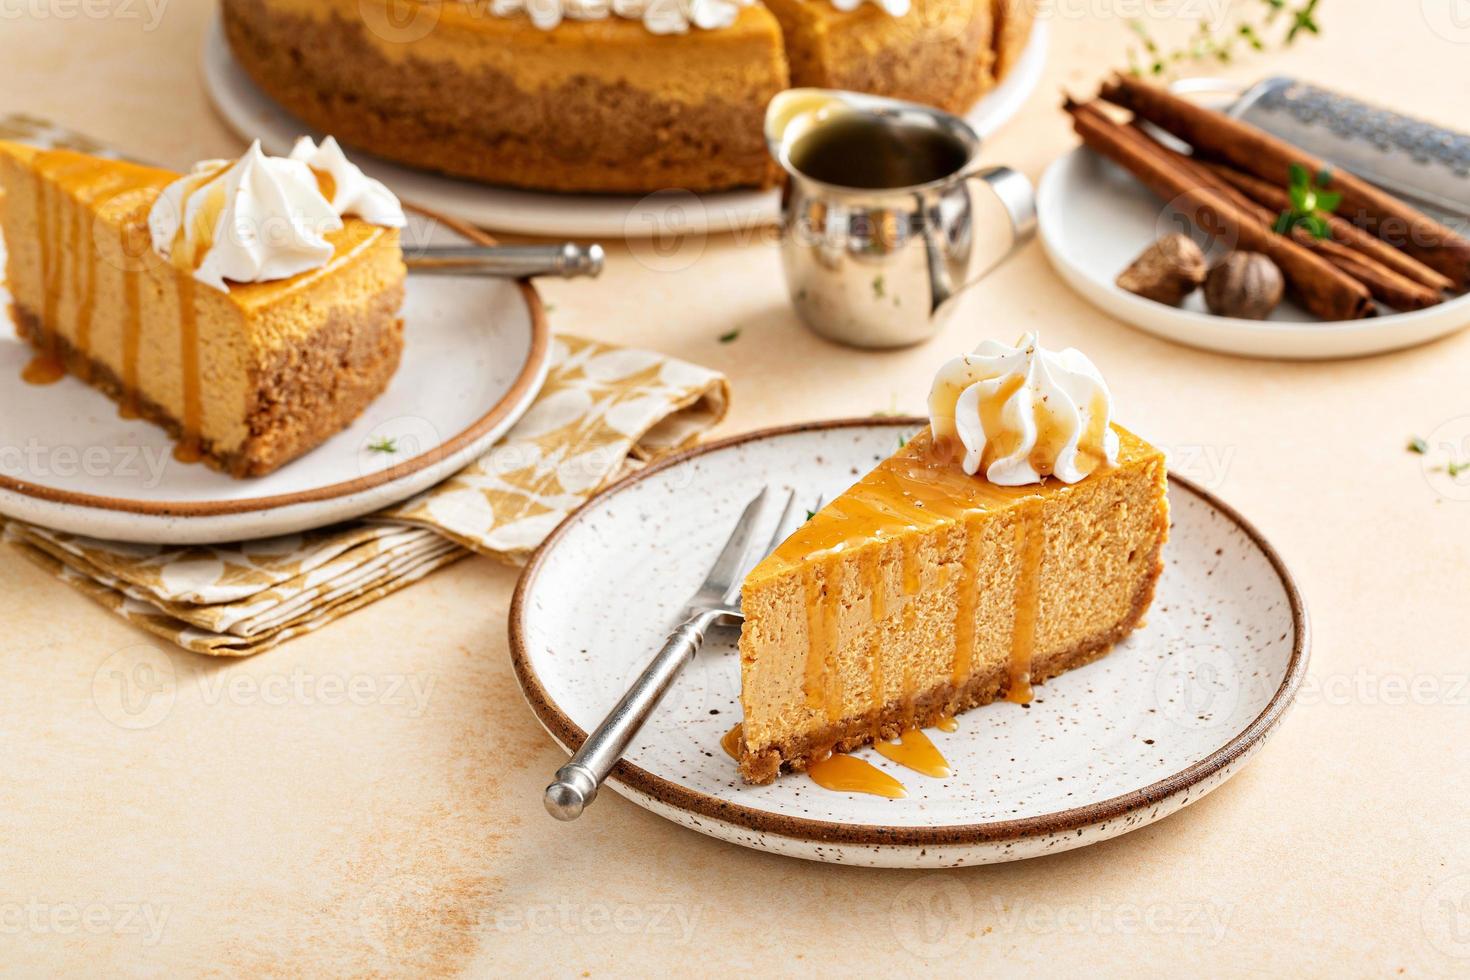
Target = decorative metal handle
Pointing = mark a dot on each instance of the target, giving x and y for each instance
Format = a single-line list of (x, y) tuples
[(576, 783), (506, 261)]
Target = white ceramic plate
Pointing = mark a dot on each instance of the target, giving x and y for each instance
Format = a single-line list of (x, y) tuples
[(1095, 218), (475, 355), (252, 114), (1169, 715)]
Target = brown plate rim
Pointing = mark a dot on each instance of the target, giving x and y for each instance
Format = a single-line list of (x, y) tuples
[(1074, 819), (535, 363)]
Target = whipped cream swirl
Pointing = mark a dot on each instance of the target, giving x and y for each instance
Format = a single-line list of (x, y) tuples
[(253, 220), (658, 16), (353, 192), (1024, 413)]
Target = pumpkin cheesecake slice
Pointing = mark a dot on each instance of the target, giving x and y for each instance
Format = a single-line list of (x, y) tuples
[(1019, 536), (234, 306)]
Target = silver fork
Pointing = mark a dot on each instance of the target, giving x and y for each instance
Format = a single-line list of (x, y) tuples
[(717, 603)]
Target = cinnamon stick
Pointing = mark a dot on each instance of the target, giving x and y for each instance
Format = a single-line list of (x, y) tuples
[(1395, 291), (1349, 234), (1243, 146), (1324, 290)]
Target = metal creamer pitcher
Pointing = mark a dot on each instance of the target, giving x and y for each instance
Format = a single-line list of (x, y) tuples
[(879, 226)]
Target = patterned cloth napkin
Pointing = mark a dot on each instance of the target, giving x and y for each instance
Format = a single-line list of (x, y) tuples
[(603, 409)]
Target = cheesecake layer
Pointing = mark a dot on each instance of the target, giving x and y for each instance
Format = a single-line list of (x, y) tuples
[(923, 592), (940, 53), (248, 378), (591, 106)]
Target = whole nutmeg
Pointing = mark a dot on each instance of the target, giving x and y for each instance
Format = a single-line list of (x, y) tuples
[(1244, 284), (1167, 271)]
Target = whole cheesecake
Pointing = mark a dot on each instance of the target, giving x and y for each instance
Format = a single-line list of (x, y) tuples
[(244, 375), (605, 103), (933, 586)]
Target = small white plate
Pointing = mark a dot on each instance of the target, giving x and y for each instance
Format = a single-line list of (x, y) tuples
[(475, 355), (1096, 218), (1170, 714), (252, 115)]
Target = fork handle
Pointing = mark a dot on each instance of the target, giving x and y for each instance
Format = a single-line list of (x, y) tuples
[(506, 261), (576, 782)]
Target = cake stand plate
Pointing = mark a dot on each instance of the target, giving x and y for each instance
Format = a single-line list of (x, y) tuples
[(1095, 218), (251, 114), (475, 355), (1171, 713)]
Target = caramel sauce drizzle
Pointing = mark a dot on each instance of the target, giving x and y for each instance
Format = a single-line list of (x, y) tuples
[(132, 327), (187, 449), (845, 773), (966, 601), (43, 368), (1030, 543), (86, 276), (730, 741), (915, 751)]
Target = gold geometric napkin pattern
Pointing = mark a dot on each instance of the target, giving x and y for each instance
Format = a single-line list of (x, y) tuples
[(602, 410)]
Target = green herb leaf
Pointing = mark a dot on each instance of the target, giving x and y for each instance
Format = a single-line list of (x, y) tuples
[(731, 337), (383, 445), (878, 286), (1417, 445)]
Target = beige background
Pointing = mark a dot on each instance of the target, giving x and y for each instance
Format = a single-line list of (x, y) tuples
[(247, 824)]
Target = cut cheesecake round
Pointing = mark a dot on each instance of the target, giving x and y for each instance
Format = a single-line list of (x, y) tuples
[(248, 378), (601, 105), (923, 591)]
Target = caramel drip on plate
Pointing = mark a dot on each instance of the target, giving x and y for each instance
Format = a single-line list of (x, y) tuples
[(1030, 542), (43, 369), (915, 751), (187, 450), (730, 741), (947, 723), (849, 774)]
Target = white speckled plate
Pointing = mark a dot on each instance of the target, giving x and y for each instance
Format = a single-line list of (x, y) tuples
[(475, 354), (251, 114), (1170, 714)]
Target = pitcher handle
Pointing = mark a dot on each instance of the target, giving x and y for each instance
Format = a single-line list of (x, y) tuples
[(1019, 200)]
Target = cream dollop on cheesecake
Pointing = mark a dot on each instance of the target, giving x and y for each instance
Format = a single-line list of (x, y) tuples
[(256, 219), (262, 218), (1024, 413), (349, 190)]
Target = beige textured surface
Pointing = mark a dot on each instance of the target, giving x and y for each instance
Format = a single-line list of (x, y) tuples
[(277, 832)]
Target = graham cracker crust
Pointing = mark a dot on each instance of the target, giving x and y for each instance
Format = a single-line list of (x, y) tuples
[(299, 397), (577, 136), (796, 754)]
